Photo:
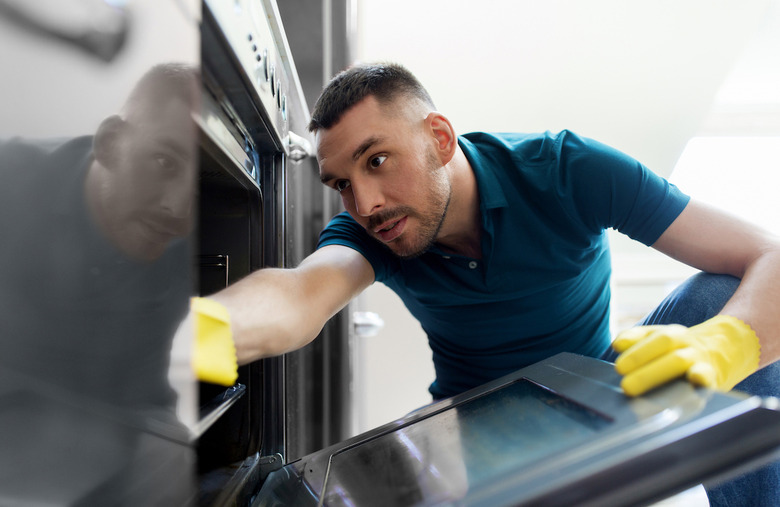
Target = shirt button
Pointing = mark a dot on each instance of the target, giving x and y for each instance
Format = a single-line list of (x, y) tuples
[(473, 264)]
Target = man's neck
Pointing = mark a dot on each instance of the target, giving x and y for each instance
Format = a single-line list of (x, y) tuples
[(97, 194), (461, 232)]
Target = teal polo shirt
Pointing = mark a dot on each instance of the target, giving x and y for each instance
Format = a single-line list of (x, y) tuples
[(542, 284)]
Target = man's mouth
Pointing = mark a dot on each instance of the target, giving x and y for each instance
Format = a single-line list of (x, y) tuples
[(165, 229), (390, 230)]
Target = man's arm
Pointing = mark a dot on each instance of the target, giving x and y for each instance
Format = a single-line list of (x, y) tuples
[(725, 349), (712, 241), (273, 311)]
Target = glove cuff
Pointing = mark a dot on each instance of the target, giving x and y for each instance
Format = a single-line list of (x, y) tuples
[(214, 358), (746, 354)]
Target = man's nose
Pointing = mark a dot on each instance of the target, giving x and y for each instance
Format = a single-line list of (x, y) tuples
[(177, 200), (368, 197)]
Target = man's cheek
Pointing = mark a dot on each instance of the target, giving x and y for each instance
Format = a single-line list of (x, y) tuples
[(349, 206), (349, 203)]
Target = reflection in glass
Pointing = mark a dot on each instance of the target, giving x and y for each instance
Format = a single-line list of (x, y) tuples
[(94, 280), (439, 458)]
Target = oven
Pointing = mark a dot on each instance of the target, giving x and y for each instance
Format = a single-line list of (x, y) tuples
[(95, 278), (261, 204), (89, 363)]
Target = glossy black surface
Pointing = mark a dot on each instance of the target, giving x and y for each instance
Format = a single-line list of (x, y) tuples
[(559, 432), (438, 457)]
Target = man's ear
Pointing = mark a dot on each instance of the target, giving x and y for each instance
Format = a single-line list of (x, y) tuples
[(106, 143), (444, 134)]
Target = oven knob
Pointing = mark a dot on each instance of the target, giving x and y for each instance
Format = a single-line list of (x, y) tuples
[(266, 69), (273, 81), (284, 107), (261, 69)]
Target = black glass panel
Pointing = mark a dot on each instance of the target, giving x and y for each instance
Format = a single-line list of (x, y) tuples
[(441, 457)]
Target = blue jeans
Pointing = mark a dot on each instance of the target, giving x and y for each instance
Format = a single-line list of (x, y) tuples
[(699, 298)]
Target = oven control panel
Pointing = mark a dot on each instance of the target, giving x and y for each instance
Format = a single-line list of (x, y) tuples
[(265, 74)]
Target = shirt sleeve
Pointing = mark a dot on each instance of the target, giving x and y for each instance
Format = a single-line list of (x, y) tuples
[(343, 230), (609, 189)]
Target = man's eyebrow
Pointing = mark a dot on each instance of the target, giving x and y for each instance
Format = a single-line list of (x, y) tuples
[(176, 146), (359, 151), (364, 146)]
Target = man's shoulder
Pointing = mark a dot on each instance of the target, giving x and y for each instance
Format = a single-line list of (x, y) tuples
[(22, 158), (45, 147), (522, 148), (513, 140), (345, 231), (342, 219)]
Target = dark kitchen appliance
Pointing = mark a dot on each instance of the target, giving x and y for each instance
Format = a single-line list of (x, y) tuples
[(91, 296), (261, 205), (559, 432)]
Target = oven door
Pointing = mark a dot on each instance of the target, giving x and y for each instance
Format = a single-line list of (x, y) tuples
[(260, 205), (87, 313), (559, 432)]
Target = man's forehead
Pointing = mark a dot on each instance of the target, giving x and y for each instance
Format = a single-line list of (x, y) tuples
[(340, 142), (162, 113), (362, 125)]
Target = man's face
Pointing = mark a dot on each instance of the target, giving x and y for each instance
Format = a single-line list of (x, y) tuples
[(153, 179), (385, 167)]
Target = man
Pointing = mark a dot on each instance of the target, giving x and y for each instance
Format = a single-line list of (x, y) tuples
[(496, 244), (94, 280)]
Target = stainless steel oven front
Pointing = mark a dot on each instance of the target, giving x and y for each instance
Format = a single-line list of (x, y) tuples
[(260, 205)]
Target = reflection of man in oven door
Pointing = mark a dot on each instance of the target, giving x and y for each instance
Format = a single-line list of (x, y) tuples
[(140, 184), (94, 278)]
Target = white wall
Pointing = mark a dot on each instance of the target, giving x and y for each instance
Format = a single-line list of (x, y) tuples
[(638, 75), (641, 76), (50, 89)]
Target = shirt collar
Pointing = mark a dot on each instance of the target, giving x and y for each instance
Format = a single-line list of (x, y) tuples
[(491, 195)]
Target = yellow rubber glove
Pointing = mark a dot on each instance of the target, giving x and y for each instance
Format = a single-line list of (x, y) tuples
[(718, 353), (214, 359)]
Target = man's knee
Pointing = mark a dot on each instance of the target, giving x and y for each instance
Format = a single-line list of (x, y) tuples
[(699, 298), (764, 382)]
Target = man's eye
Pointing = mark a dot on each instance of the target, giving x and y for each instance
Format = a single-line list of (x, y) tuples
[(341, 185), (164, 162), (377, 161)]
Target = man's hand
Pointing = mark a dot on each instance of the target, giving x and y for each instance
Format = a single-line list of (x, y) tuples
[(214, 358), (718, 353)]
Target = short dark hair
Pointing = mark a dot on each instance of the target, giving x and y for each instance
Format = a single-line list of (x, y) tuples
[(384, 81), (162, 83)]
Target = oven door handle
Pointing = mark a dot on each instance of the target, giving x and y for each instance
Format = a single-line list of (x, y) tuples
[(298, 147)]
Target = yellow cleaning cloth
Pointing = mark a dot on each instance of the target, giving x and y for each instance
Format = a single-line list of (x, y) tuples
[(214, 359)]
